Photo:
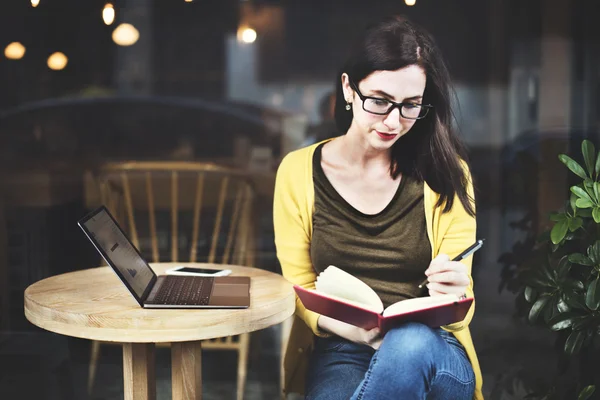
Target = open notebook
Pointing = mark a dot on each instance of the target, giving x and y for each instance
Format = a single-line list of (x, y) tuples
[(344, 297)]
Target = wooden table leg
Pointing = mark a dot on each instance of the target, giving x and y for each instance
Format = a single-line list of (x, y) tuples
[(186, 370), (138, 371)]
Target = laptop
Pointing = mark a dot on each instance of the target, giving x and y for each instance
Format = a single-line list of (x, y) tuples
[(162, 291)]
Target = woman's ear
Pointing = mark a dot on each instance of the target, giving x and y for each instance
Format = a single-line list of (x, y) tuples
[(346, 88)]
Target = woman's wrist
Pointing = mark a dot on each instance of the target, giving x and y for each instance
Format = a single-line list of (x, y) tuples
[(323, 323), (330, 325), (336, 327)]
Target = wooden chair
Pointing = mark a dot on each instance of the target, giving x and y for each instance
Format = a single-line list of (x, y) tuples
[(209, 214)]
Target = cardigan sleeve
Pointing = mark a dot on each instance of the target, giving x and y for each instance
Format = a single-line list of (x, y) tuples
[(461, 233), (292, 230)]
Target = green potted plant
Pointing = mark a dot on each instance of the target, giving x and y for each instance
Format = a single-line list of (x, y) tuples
[(557, 276)]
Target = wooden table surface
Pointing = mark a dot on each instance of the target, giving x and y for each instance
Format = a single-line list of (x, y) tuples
[(95, 304)]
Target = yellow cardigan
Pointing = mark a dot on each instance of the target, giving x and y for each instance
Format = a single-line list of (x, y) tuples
[(293, 207)]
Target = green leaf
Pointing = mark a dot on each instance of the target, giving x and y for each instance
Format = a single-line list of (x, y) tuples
[(598, 164), (582, 322), (548, 272), (581, 193), (530, 294), (550, 309), (584, 203), (596, 214), (559, 231), (575, 223), (573, 284), (557, 216), (539, 280), (562, 306), (563, 267), (574, 342), (594, 252), (587, 392), (597, 190), (589, 154), (592, 297), (572, 200), (543, 277), (572, 165), (581, 259), (574, 301), (562, 321), (538, 307), (584, 212), (588, 185)]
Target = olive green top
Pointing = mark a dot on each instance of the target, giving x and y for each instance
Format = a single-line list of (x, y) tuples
[(389, 251)]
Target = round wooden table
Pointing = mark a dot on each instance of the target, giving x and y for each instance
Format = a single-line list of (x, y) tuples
[(94, 304)]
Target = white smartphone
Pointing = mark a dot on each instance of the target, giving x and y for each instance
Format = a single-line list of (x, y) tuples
[(182, 270)]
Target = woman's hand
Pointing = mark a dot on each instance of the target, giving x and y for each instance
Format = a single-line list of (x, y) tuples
[(349, 332), (447, 277)]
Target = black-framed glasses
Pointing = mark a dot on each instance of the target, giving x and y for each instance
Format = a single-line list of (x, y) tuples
[(379, 106)]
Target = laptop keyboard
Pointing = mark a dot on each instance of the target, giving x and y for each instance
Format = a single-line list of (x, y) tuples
[(184, 290)]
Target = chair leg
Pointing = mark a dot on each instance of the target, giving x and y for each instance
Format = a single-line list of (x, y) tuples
[(242, 364), (93, 364), (286, 328)]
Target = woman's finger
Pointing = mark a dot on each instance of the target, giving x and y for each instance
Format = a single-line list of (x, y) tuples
[(440, 288), (373, 334), (435, 293), (450, 277), (370, 336), (376, 343), (447, 266)]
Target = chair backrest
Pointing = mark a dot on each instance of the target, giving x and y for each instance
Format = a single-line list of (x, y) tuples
[(181, 211)]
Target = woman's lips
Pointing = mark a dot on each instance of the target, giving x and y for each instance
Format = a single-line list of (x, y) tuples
[(386, 136)]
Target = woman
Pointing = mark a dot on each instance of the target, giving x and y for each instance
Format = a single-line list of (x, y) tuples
[(390, 202)]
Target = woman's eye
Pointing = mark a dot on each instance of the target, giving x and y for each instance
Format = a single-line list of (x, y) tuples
[(411, 106), (380, 102)]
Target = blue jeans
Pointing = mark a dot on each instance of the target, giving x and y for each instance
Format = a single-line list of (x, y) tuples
[(413, 362)]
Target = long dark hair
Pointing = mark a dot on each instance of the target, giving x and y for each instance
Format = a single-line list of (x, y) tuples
[(431, 150)]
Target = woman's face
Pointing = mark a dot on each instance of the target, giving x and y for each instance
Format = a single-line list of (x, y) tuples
[(405, 85)]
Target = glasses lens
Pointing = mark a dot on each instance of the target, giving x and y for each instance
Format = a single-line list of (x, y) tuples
[(413, 111), (377, 106)]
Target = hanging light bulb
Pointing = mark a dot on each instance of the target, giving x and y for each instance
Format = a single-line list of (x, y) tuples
[(249, 35), (108, 14), (57, 61), (246, 34), (125, 35), (35, 3), (14, 51), (410, 3)]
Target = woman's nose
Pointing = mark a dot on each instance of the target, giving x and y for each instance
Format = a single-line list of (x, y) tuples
[(392, 120)]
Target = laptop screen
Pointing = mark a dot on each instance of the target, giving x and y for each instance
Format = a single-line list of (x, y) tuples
[(118, 251)]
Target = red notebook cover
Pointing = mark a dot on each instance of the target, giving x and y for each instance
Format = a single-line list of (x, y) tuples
[(433, 316)]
